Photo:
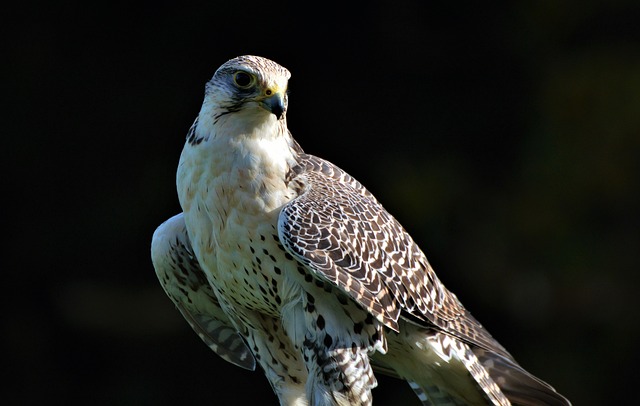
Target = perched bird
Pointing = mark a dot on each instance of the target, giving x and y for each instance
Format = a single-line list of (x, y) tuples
[(282, 259)]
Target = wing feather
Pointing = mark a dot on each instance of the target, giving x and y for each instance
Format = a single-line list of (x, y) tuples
[(344, 235), (186, 285)]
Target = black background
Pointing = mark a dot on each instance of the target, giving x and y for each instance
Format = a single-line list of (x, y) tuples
[(505, 137)]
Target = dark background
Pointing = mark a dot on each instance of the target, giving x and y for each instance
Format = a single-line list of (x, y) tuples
[(505, 137)]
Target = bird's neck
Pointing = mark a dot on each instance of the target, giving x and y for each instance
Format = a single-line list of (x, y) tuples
[(261, 146), (239, 162)]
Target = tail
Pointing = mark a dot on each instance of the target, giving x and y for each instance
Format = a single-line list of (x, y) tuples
[(443, 370), (521, 387)]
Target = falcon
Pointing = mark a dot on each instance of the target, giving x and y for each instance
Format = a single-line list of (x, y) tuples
[(281, 259)]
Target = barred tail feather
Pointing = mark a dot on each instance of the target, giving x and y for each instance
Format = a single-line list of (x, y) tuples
[(522, 388), (435, 365), (445, 371)]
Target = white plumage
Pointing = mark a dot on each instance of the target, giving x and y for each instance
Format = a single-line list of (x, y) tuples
[(282, 259)]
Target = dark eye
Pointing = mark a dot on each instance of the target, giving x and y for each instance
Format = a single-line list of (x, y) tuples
[(243, 79)]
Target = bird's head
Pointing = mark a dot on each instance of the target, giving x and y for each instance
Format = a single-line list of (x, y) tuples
[(250, 88)]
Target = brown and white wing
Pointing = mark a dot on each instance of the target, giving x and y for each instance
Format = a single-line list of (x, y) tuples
[(344, 235), (186, 285)]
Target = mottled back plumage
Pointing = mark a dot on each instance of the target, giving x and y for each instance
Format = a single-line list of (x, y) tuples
[(282, 259)]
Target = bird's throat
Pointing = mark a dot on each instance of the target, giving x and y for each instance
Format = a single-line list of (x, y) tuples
[(244, 171)]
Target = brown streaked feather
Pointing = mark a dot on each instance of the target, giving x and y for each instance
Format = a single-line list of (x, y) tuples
[(344, 235), (186, 285)]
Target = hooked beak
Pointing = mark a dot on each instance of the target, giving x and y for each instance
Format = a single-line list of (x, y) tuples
[(274, 104)]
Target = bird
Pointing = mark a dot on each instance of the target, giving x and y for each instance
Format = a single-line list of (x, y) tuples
[(283, 261)]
